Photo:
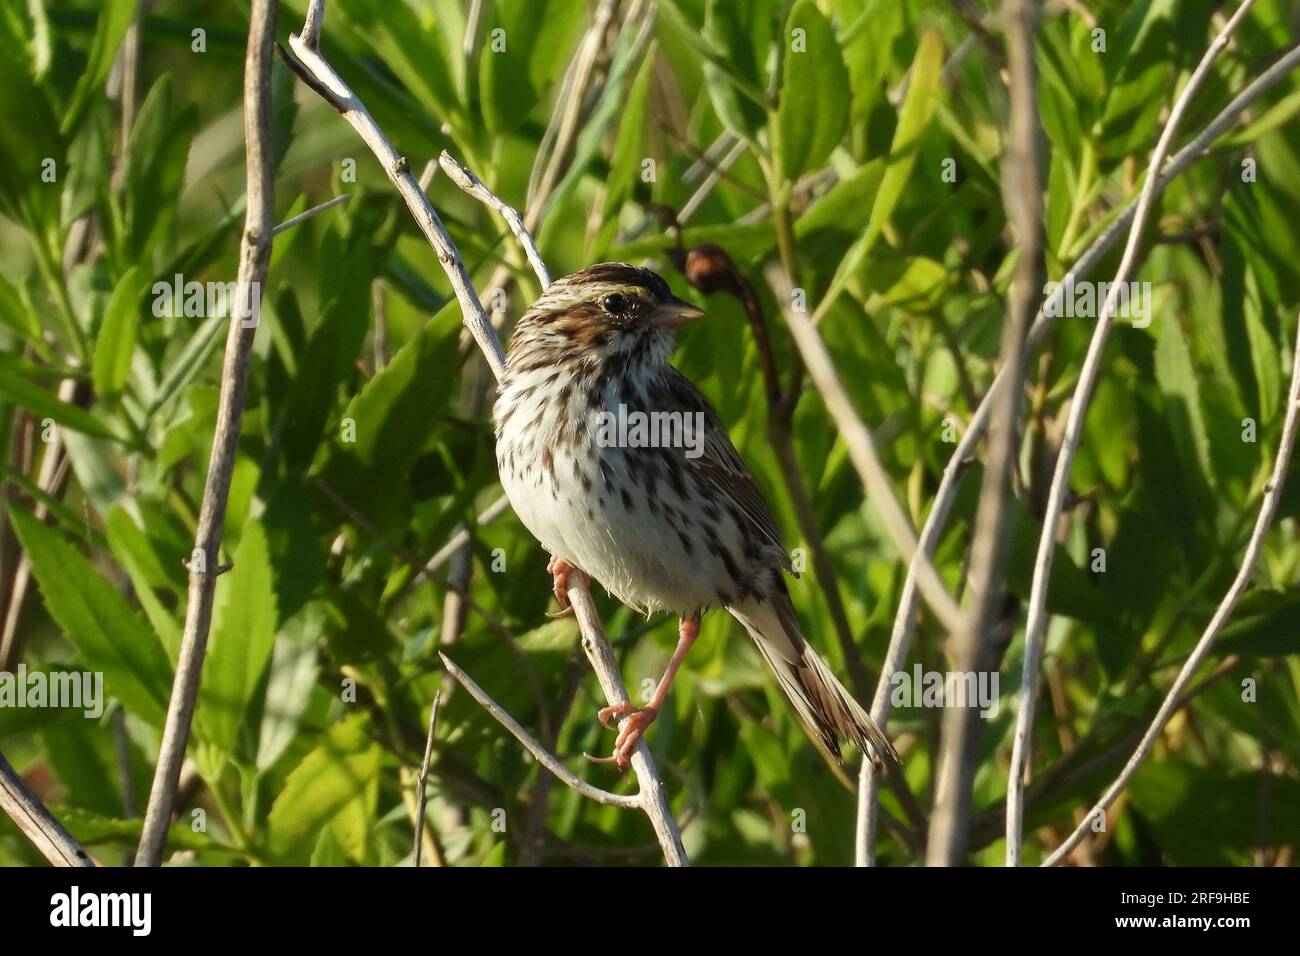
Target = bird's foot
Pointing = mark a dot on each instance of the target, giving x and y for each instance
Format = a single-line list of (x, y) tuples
[(635, 721), (559, 570)]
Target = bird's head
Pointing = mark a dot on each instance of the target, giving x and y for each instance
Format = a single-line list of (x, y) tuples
[(608, 308)]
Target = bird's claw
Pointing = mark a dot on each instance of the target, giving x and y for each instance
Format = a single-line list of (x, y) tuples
[(559, 570), (633, 726), (606, 715)]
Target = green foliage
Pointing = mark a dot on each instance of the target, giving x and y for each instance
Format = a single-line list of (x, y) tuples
[(99, 622), (814, 99), (862, 142)]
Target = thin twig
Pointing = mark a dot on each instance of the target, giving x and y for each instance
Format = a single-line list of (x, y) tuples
[(563, 129), (1175, 699), (544, 756), (473, 23), (322, 78), (309, 213), (254, 257), (862, 452), (1036, 623), (653, 797), (50, 479), (467, 181), (46, 833), (970, 649), (716, 172), (974, 19), (421, 791)]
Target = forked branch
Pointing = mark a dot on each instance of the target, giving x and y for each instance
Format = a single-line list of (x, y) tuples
[(1176, 697), (254, 258), (308, 63)]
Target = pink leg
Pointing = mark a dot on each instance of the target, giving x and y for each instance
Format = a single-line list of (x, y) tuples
[(637, 719)]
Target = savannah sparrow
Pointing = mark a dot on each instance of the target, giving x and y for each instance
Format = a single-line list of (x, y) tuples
[(664, 525)]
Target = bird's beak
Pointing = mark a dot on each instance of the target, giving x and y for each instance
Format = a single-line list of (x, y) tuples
[(675, 312)]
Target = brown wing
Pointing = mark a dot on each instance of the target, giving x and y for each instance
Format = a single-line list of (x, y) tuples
[(721, 467)]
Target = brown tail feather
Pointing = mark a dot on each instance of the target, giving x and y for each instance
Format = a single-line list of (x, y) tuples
[(825, 707)]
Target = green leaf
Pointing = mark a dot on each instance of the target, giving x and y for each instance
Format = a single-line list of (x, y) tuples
[(134, 551), (916, 284), (846, 205), (879, 23), (75, 524), (328, 852), (115, 343), (29, 140), (82, 758), (414, 47), (1138, 78), (97, 620), (186, 366), (284, 110), (1177, 799), (525, 47), (88, 166), (591, 140), (17, 314), (814, 104), (392, 418), (155, 168), (625, 164), (486, 659), (918, 108), (1267, 625), (294, 667), (318, 790), (331, 349), (1278, 115), (1176, 377), (42, 403), (1266, 361), (742, 33), (243, 633), (20, 720), (109, 31), (90, 829)]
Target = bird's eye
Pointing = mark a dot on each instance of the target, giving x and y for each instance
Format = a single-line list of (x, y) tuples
[(615, 303)]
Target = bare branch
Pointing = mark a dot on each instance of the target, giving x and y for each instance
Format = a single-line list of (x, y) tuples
[(323, 78), (653, 797), (716, 172), (862, 451), (311, 24), (562, 130), (1175, 698), (970, 650), (36, 822), (309, 213), (1035, 626), (544, 756), (53, 473), (254, 257), (422, 796), (932, 531), (467, 181)]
